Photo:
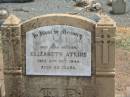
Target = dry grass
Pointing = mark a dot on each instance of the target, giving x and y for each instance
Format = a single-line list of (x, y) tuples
[(122, 59)]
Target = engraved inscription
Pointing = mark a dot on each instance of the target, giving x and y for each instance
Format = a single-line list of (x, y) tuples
[(53, 92), (49, 92), (72, 93), (58, 50)]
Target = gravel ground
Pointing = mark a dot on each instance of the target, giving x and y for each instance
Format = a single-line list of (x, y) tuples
[(41, 7)]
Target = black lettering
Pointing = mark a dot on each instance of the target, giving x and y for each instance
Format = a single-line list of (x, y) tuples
[(35, 35)]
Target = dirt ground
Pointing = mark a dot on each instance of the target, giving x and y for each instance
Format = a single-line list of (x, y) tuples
[(122, 70), (122, 60)]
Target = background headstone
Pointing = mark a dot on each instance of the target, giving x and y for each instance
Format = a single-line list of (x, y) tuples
[(118, 6)]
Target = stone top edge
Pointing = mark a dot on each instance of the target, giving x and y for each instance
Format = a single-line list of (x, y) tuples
[(12, 20), (106, 21), (61, 15), (106, 25)]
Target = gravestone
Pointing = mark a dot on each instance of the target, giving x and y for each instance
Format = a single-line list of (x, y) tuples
[(118, 6), (59, 55)]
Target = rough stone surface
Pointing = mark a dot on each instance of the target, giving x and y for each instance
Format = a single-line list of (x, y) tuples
[(119, 6), (106, 60), (11, 41)]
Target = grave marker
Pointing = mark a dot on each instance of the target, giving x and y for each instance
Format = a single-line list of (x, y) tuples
[(70, 51), (118, 6)]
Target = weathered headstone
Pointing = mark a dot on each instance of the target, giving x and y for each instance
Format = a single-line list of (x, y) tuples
[(118, 6), (59, 55)]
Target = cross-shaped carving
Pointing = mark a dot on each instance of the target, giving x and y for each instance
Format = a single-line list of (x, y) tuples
[(105, 39), (8, 38)]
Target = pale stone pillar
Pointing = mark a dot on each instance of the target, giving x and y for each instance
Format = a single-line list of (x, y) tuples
[(11, 47), (105, 57)]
